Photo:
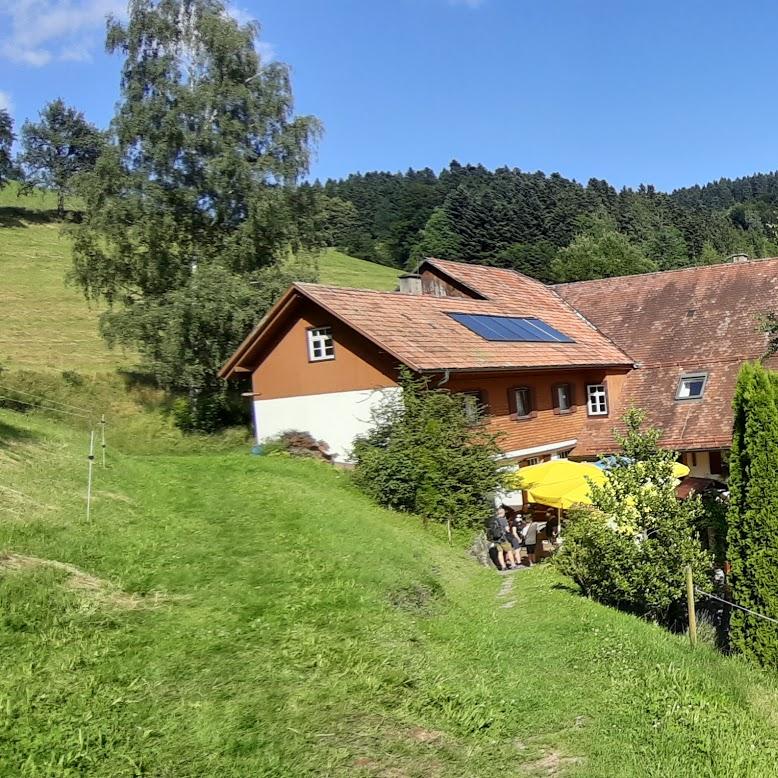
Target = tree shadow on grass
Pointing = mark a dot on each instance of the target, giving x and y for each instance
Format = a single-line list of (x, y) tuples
[(12, 217), (11, 434), (568, 586), (18, 216)]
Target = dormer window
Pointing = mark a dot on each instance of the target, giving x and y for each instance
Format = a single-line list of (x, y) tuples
[(320, 344), (691, 386)]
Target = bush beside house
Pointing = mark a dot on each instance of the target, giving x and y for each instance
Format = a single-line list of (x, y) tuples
[(429, 452), (630, 548)]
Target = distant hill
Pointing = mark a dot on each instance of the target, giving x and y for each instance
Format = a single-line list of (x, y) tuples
[(514, 218), (46, 325)]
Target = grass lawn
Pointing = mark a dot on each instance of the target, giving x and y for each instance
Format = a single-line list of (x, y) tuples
[(244, 616)]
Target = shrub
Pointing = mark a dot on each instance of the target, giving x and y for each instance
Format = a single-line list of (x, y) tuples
[(630, 548), (429, 454), (72, 378)]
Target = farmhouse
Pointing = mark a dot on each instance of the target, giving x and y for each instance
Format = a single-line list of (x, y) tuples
[(554, 366)]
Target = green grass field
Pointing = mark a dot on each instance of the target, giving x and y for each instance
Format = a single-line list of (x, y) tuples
[(47, 326), (339, 269), (244, 616), (44, 325)]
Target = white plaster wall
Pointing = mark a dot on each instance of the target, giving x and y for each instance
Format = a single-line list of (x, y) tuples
[(702, 467), (336, 417)]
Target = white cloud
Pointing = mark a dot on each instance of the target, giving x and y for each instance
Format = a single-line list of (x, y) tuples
[(6, 103), (37, 32), (40, 32)]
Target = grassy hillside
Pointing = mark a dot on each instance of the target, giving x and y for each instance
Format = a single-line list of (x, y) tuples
[(341, 270), (48, 326), (234, 615), (44, 325)]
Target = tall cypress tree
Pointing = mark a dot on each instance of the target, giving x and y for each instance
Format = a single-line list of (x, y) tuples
[(753, 514)]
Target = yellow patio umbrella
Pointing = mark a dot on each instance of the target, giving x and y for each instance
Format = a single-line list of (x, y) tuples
[(559, 483)]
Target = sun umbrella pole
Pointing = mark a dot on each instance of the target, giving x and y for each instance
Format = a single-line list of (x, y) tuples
[(558, 523)]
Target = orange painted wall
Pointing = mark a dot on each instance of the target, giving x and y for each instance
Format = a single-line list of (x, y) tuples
[(287, 372), (546, 427)]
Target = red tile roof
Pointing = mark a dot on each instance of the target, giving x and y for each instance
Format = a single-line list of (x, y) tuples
[(696, 319), (418, 331)]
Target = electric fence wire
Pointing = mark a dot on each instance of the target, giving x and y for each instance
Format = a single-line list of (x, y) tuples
[(43, 399), (45, 407), (735, 605)]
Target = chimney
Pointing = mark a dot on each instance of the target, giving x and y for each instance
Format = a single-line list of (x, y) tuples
[(738, 258), (410, 283)]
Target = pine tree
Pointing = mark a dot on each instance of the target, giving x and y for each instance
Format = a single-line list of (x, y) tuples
[(753, 515), (438, 239), (709, 255), (531, 259), (667, 248)]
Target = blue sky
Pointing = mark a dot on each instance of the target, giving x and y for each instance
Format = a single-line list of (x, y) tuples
[(670, 93)]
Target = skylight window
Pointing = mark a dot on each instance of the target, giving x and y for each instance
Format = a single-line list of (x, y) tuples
[(691, 386), (518, 329)]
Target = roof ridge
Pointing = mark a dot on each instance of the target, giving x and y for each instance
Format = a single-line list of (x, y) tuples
[(307, 284), (717, 265)]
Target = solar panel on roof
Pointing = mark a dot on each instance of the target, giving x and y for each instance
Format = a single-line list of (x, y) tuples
[(518, 329)]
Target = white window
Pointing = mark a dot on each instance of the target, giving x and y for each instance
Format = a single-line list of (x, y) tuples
[(533, 461), (596, 400), (320, 344), (691, 387)]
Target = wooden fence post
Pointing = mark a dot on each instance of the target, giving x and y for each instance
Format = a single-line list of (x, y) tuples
[(690, 605)]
